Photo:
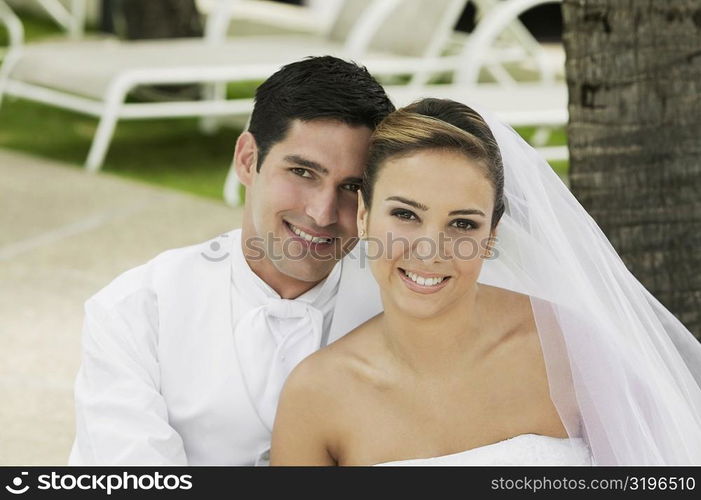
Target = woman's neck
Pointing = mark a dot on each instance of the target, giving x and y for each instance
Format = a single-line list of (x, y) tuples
[(435, 344)]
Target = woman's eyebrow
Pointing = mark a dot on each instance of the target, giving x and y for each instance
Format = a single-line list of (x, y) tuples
[(421, 206), (411, 203), (467, 211)]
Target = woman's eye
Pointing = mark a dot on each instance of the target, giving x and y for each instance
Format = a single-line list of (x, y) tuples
[(302, 172), (403, 214), (464, 224)]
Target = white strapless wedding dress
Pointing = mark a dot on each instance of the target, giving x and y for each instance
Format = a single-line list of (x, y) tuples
[(524, 449)]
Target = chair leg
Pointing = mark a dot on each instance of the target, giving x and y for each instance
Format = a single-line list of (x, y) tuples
[(103, 135), (5, 69), (3, 84), (541, 136), (210, 125)]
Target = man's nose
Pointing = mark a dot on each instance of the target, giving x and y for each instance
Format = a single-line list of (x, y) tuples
[(323, 207)]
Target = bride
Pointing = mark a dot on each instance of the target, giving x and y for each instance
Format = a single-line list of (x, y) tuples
[(511, 332)]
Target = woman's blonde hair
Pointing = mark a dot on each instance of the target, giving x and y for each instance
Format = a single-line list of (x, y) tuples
[(436, 124)]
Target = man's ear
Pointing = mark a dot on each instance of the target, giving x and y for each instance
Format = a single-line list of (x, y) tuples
[(246, 158), (362, 217)]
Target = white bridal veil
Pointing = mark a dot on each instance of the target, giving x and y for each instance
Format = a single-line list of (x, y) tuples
[(624, 373)]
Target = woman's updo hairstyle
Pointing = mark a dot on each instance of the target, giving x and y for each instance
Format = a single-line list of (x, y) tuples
[(436, 124)]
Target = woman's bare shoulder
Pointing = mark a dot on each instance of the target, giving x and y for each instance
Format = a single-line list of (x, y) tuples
[(512, 326), (513, 309)]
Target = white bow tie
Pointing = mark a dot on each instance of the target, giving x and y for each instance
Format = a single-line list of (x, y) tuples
[(270, 341)]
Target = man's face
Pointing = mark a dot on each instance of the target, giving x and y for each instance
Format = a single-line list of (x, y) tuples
[(301, 207)]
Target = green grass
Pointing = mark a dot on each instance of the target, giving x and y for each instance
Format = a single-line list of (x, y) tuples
[(558, 137), (171, 153), (561, 167)]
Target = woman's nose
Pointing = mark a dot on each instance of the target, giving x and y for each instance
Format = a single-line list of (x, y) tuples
[(424, 248), (433, 245)]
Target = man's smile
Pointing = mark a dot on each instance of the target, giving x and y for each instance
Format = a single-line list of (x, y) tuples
[(308, 236)]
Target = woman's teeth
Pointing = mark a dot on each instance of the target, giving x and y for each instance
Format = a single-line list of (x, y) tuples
[(308, 237), (423, 281)]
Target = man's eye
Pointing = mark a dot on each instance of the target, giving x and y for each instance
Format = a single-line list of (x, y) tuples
[(351, 187), (302, 172), (464, 224), (400, 213)]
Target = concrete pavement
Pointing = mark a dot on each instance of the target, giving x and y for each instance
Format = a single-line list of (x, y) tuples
[(64, 234)]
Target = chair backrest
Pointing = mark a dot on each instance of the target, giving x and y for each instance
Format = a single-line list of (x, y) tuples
[(13, 25), (218, 19), (415, 28), (347, 17), (220, 12)]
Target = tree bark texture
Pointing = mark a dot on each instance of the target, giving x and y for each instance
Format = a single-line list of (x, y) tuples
[(634, 79)]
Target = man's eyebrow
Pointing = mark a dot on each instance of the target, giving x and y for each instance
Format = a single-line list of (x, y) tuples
[(468, 211), (304, 162), (411, 203)]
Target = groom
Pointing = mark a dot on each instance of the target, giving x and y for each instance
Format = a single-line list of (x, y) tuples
[(184, 357)]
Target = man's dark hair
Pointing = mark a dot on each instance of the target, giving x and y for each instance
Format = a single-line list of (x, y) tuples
[(315, 88)]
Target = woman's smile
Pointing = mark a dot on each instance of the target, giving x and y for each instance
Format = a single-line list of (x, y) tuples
[(422, 283)]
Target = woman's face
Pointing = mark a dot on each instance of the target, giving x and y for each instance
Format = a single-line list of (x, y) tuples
[(428, 230)]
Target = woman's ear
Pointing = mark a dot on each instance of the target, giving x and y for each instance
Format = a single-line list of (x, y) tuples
[(362, 218), (489, 244), (246, 158)]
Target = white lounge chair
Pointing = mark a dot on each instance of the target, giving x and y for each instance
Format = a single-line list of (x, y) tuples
[(541, 104), (534, 103), (69, 15), (513, 43), (255, 17), (391, 37), (95, 77)]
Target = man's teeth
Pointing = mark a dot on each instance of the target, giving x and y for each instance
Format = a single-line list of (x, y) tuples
[(423, 281), (309, 237)]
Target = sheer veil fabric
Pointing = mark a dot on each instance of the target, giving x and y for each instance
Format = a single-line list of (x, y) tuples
[(624, 373)]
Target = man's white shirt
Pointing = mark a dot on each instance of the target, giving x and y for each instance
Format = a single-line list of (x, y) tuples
[(184, 357)]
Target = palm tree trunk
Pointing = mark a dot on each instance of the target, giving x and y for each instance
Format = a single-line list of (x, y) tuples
[(634, 78)]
